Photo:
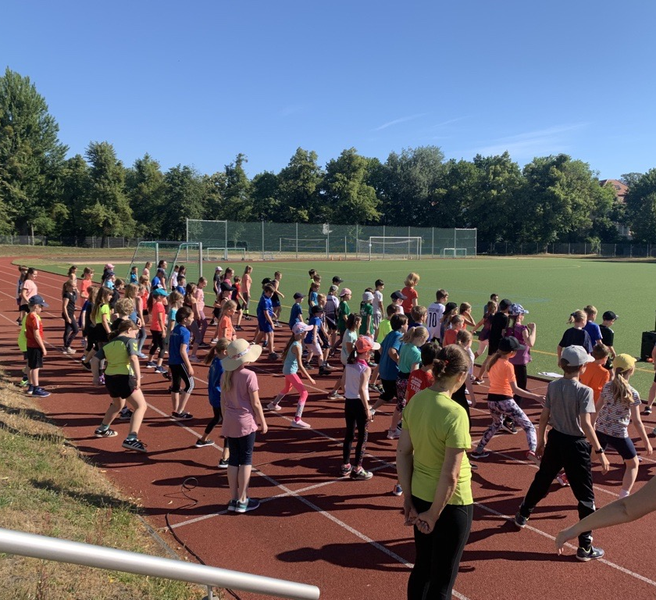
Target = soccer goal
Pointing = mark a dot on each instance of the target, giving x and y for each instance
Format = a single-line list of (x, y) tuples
[(292, 245), (189, 254), (213, 254), (382, 247), (454, 253)]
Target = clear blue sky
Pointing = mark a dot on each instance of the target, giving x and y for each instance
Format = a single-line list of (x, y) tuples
[(196, 83)]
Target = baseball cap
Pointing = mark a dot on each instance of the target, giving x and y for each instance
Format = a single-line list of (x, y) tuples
[(504, 304), (345, 291), (298, 295), (624, 362), (301, 327), (510, 344), (517, 309), (397, 295), (37, 300), (379, 282), (364, 344), (109, 267), (266, 280), (160, 292), (367, 297), (337, 279), (333, 289), (576, 356), (609, 315), (218, 268)]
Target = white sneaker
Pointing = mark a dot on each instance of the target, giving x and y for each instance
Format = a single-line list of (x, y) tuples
[(273, 406), (393, 435), (300, 424)]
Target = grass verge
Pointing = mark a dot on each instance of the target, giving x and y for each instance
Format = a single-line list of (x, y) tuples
[(46, 487)]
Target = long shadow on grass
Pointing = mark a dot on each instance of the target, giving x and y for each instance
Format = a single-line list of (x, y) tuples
[(97, 500)]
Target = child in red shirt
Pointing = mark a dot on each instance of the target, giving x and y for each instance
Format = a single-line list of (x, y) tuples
[(36, 348)]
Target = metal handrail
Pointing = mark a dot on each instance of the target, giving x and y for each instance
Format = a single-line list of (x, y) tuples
[(40, 546)]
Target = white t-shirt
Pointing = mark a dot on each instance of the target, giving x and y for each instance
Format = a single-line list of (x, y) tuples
[(378, 302), (434, 319)]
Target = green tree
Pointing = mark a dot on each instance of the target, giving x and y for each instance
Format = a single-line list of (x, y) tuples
[(455, 192), (31, 158), (299, 188), (184, 196), (237, 204), (76, 186), (146, 190), (266, 196), (109, 212), (348, 198), (408, 185), (641, 207)]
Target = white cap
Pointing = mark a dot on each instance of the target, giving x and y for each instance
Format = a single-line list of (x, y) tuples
[(218, 269), (576, 356)]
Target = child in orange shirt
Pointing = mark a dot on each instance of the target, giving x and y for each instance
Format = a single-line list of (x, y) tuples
[(457, 323), (225, 329), (503, 386), (596, 375)]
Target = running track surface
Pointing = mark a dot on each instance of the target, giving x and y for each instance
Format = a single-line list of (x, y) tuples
[(347, 537)]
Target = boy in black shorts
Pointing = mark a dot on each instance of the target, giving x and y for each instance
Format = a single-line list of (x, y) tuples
[(36, 348)]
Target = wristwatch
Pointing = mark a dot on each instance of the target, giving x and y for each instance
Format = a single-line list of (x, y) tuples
[(600, 451)]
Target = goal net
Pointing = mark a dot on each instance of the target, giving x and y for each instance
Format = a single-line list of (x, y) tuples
[(399, 248), (454, 253), (213, 254), (292, 245), (188, 254)]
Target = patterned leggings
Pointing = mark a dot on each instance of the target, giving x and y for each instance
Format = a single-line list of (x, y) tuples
[(507, 408)]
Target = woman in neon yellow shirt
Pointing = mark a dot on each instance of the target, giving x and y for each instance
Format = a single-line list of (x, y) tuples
[(434, 471)]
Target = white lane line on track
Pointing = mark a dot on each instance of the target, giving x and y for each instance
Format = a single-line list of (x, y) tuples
[(296, 494)]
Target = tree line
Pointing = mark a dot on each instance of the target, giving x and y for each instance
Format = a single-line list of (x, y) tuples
[(551, 199)]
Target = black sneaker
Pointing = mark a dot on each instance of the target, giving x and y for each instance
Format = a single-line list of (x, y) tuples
[(134, 444), (125, 414), (244, 507), (223, 464), (202, 443), (102, 433), (509, 426), (183, 415), (591, 553), (86, 365), (520, 520)]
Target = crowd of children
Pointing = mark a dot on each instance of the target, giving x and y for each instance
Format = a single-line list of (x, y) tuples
[(389, 350)]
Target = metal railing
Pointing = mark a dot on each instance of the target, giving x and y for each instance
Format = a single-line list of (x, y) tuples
[(48, 548)]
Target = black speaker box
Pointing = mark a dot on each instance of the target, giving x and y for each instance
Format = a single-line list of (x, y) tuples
[(648, 341)]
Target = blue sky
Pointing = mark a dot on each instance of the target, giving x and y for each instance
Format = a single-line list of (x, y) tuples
[(197, 83)]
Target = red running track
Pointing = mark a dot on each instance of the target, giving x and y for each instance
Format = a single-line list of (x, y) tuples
[(344, 536)]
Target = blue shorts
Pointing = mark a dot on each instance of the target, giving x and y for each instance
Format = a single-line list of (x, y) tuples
[(264, 326), (241, 450), (624, 446)]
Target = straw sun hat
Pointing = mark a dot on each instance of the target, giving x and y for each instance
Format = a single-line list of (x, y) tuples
[(240, 352)]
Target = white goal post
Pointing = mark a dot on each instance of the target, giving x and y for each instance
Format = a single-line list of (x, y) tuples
[(214, 254), (397, 247), (454, 253)]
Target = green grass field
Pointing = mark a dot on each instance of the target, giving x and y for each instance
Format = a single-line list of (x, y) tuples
[(550, 288)]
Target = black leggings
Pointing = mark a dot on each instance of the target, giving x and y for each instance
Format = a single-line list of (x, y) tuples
[(216, 420), (439, 552), (355, 415), (70, 331)]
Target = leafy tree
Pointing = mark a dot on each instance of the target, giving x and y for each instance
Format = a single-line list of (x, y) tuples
[(266, 196), (237, 204), (109, 212), (146, 190), (299, 188), (455, 192), (76, 186), (347, 197), (183, 200), (31, 157), (641, 207), (409, 184)]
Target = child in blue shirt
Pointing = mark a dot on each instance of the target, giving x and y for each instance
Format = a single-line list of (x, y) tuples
[(296, 314), (388, 368), (213, 358), (265, 318), (179, 364)]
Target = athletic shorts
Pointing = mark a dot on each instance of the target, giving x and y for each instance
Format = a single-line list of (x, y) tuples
[(241, 450), (315, 348), (23, 308), (99, 335), (180, 374), (624, 446), (265, 327), (34, 358), (157, 342), (119, 386), (389, 390)]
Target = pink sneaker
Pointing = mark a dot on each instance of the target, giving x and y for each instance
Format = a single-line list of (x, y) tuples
[(273, 406), (300, 424), (530, 456), (561, 478)]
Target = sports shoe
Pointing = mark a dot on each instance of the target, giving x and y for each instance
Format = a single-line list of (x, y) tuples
[(160, 370), (86, 365), (39, 392), (361, 475), (215, 341), (142, 356), (476, 455), (202, 443), (239, 328), (477, 381), (183, 416), (591, 553), (327, 367), (274, 406), (561, 478), (30, 390), (393, 435), (520, 520), (223, 464), (273, 356), (398, 490), (509, 426), (346, 469), (134, 444), (647, 411), (300, 424), (244, 507), (125, 414), (24, 382), (102, 433), (151, 364), (101, 380), (232, 506), (335, 396), (530, 456), (194, 359)]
